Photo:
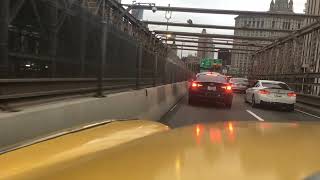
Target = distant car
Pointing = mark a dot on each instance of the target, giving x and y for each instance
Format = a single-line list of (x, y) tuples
[(239, 84), (274, 93), (212, 87)]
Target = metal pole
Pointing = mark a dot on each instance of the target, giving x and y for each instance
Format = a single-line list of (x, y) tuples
[(53, 40), (155, 73), (139, 66), (4, 23), (168, 16), (182, 50), (222, 11), (83, 38), (213, 26), (104, 40), (179, 33)]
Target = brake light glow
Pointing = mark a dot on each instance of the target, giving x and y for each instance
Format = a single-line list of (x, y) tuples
[(228, 88), (194, 84), (198, 130), (292, 94), (265, 92), (215, 135), (230, 127)]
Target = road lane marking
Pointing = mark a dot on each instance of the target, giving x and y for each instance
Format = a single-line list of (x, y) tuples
[(173, 107), (254, 115), (307, 114)]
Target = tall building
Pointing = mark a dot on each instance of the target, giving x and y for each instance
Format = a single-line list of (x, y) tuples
[(205, 43), (242, 62), (225, 56)]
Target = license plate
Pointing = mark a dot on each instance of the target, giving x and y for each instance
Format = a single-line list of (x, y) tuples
[(277, 95), (210, 88), (210, 94)]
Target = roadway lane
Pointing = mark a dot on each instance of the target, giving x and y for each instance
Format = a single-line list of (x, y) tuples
[(183, 114)]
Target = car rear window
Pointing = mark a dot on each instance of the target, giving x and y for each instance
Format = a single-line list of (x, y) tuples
[(212, 78), (275, 85), (239, 80)]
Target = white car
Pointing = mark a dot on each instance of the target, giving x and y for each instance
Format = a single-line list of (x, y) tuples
[(274, 93)]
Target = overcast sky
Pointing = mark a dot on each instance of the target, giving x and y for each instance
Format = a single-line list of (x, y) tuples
[(251, 5)]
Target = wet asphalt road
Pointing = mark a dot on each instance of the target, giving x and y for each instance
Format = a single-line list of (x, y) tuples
[(184, 114)]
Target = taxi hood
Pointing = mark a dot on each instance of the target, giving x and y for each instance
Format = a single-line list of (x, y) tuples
[(226, 150)]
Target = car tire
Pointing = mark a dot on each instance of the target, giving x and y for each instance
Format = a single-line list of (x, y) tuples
[(291, 108), (254, 104), (229, 106)]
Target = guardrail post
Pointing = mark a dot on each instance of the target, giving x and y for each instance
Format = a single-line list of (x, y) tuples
[(83, 38), (53, 39), (139, 66), (101, 64), (155, 73), (4, 24)]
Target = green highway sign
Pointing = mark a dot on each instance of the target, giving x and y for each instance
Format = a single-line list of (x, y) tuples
[(217, 62), (208, 63)]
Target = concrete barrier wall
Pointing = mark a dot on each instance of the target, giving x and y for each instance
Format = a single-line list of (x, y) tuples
[(148, 104)]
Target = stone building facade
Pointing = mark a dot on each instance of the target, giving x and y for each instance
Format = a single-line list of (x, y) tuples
[(242, 62)]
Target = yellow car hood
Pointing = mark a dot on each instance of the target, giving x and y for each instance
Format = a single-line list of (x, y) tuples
[(222, 151)]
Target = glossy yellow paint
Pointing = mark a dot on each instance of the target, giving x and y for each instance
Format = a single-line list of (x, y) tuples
[(224, 151), (31, 161)]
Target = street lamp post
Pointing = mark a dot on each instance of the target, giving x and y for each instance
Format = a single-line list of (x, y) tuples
[(168, 16)]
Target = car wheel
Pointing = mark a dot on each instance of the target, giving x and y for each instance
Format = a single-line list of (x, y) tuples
[(290, 108), (253, 104), (229, 106)]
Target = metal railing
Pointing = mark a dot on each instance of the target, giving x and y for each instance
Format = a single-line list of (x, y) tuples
[(293, 59), (62, 52), (17, 89)]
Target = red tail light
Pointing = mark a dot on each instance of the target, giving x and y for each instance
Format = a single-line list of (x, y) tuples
[(195, 85), (228, 88), (265, 92), (292, 94)]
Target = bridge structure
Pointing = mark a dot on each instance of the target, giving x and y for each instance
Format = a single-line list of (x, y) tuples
[(67, 46), (51, 48), (293, 58)]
